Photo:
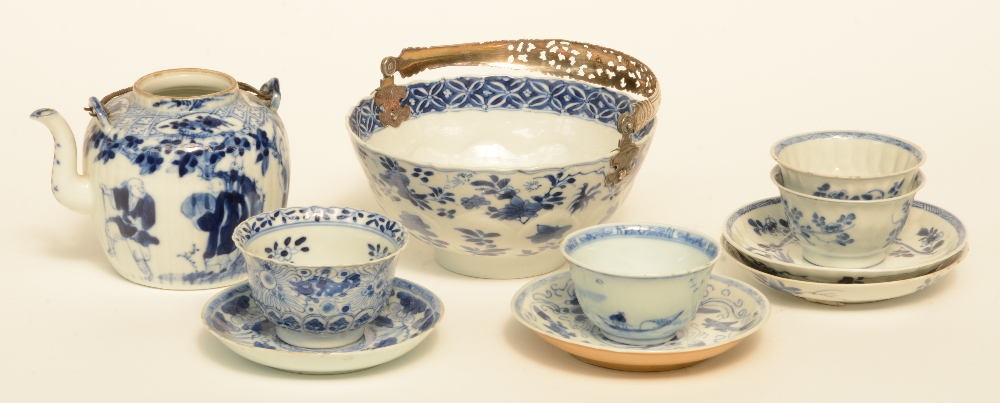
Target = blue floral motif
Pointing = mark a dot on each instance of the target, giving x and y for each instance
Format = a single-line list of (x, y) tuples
[(189, 104), (517, 209), (484, 239), (931, 240), (148, 162), (769, 226), (474, 201), (179, 145), (416, 224), (500, 188), (377, 251), (822, 228), (478, 237), (548, 233), (583, 197), (287, 250), (320, 300), (422, 174), (874, 194), (288, 216), (421, 230), (198, 124)]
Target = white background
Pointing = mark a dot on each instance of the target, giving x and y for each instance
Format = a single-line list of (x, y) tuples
[(735, 77)]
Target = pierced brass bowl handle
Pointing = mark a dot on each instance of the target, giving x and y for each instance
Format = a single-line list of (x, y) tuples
[(573, 60)]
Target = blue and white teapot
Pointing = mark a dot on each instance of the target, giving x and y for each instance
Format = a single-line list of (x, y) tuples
[(171, 166)]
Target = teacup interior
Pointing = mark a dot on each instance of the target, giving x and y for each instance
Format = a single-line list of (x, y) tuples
[(847, 157), (321, 244), (639, 256), (497, 139)]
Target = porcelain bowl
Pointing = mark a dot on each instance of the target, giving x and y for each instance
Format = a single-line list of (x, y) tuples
[(848, 165), (494, 171), (845, 234), (320, 274)]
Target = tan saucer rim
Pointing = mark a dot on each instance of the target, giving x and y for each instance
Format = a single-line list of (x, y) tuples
[(639, 362)]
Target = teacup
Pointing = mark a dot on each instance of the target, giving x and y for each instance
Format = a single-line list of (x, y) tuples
[(847, 234), (639, 283), (848, 165), (320, 274)]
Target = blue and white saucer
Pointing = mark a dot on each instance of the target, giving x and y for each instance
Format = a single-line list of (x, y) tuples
[(846, 293), (731, 311), (930, 239), (409, 316)]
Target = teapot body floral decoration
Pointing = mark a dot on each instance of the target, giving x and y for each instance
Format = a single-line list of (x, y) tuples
[(171, 166)]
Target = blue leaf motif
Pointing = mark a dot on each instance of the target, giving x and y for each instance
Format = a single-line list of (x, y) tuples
[(548, 233)]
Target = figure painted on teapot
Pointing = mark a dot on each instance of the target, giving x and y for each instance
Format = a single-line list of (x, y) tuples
[(170, 168)]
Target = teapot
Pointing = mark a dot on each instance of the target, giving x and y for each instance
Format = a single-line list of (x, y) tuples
[(171, 166)]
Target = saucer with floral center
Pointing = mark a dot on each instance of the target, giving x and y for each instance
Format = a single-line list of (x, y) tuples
[(411, 314)]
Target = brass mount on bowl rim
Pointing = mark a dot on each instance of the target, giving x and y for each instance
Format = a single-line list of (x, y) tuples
[(573, 60)]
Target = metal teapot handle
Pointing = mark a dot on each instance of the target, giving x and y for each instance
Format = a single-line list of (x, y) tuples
[(574, 60), (269, 92)]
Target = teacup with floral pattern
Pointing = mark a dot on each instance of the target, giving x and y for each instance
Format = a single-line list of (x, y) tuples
[(320, 274)]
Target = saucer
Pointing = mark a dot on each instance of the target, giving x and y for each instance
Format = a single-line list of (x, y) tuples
[(930, 237), (840, 294), (410, 315), (731, 311)]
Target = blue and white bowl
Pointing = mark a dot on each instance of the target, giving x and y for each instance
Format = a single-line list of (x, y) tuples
[(639, 283), (849, 234), (848, 165), (495, 171), (320, 274)]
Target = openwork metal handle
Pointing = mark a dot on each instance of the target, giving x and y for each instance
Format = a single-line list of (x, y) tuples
[(573, 60)]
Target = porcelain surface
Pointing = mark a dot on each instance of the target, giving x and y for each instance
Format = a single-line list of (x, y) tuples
[(639, 283), (317, 272), (930, 237), (844, 233), (411, 314), (848, 165), (167, 178), (840, 294), (729, 312), (494, 171)]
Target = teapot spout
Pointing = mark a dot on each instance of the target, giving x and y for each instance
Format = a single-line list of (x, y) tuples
[(70, 188)]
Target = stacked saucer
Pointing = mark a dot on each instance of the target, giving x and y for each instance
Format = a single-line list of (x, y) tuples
[(846, 227)]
